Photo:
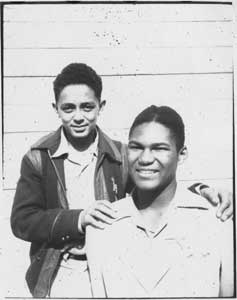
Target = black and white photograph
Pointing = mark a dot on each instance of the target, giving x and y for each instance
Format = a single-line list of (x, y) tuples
[(118, 149)]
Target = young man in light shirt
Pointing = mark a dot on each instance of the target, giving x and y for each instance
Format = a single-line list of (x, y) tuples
[(61, 177), (166, 241)]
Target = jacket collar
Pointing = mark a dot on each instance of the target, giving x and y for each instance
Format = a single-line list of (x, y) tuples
[(106, 146), (49, 142)]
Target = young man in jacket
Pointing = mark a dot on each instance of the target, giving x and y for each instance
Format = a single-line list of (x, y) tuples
[(61, 177)]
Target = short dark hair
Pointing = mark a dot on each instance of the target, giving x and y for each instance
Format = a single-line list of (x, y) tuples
[(163, 115), (77, 73)]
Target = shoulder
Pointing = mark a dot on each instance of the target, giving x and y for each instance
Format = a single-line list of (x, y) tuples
[(123, 205), (36, 152), (109, 140), (196, 220), (50, 141), (124, 209), (187, 199), (46, 139), (198, 212), (194, 210)]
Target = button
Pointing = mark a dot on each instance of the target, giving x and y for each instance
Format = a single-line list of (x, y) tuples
[(63, 238), (67, 237)]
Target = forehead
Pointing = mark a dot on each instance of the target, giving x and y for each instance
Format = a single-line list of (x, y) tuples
[(77, 93), (152, 132)]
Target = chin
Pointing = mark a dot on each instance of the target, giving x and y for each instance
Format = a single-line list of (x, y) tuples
[(80, 135), (147, 186)]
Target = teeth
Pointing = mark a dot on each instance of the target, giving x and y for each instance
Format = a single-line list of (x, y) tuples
[(146, 171)]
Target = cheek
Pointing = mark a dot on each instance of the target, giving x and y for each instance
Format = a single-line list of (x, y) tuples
[(171, 165), (65, 118), (132, 158), (92, 116)]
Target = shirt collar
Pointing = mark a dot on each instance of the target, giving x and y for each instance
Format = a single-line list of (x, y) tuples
[(183, 199), (66, 148), (63, 146)]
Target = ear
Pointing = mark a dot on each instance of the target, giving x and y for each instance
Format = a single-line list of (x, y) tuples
[(102, 105), (183, 154), (54, 105)]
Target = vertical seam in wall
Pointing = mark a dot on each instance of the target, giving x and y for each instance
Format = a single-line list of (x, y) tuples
[(2, 92)]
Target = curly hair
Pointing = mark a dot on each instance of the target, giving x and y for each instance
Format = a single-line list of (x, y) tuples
[(77, 73)]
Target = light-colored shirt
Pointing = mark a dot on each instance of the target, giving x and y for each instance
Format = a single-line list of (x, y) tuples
[(79, 169), (181, 258)]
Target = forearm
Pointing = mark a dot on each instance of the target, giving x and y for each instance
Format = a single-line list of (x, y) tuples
[(36, 218), (54, 226)]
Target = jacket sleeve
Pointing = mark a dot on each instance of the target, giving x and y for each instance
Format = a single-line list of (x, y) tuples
[(32, 220)]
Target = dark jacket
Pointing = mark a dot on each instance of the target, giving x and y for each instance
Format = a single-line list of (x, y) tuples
[(40, 212)]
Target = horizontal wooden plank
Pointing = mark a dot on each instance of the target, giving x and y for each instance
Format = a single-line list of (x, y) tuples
[(151, 35), (194, 96), (39, 91), (114, 61), (204, 161), (116, 13)]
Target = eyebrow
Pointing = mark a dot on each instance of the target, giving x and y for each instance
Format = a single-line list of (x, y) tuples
[(88, 102), (82, 103), (67, 104), (152, 145)]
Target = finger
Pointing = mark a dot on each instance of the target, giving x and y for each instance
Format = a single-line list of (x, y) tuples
[(107, 204), (227, 213), (211, 195), (106, 211), (94, 223), (224, 204), (102, 217)]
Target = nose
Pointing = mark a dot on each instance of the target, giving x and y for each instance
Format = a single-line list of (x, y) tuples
[(146, 157), (78, 116)]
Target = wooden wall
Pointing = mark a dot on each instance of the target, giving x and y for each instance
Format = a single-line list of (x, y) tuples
[(172, 54)]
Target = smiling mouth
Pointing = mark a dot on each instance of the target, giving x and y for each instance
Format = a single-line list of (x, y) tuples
[(147, 172), (79, 127)]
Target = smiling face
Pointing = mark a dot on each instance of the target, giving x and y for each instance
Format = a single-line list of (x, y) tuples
[(78, 108), (153, 156)]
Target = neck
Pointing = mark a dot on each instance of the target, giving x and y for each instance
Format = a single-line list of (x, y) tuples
[(154, 205), (81, 144), (157, 199)]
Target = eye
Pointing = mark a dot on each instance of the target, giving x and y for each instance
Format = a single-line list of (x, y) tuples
[(88, 107), (161, 148), (134, 147), (68, 108)]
